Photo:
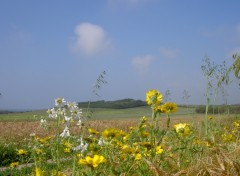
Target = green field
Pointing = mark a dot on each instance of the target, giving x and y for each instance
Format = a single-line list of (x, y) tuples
[(97, 113)]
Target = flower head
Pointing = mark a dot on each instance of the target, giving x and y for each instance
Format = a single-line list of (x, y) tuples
[(60, 102), (169, 108), (153, 97), (14, 164), (65, 132), (22, 152), (159, 149), (183, 129), (92, 161)]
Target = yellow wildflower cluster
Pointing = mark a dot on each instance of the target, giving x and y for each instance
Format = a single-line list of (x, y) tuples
[(92, 161)]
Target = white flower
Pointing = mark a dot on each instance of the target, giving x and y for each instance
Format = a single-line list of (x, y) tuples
[(60, 102), (52, 113), (67, 118), (82, 147), (65, 133), (79, 123), (72, 106), (101, 142), (43, 123)]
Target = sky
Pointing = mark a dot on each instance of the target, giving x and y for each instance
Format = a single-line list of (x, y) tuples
[(51, 49)]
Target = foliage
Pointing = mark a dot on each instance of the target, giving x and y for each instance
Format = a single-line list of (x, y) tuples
[(118, 104), (220, 109)]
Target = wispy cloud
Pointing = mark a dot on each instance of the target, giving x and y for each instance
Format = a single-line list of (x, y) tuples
[(142, 63), (91, 39), (169, 53)]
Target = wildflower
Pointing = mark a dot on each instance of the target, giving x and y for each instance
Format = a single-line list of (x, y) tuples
[(92, 131), (67, 144), (127, 149), (153, 97), (44, 141), (39, 151), (228, 137), (182, 129), (210, 117), (237, 124), (65, 132), (138, 156), (67, 150), (39, 172), (169, 108), (52, 113), (72, 106), (147, 145), (159, 149), (43, 123), (79, 123), (22, 152), (145, 134), (67, 119), (60, 102), (14, 164), (144, 119), (92, 161), (110, 133), (82, 147)]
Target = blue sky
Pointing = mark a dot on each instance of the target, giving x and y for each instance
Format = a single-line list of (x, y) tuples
[(51, 49)]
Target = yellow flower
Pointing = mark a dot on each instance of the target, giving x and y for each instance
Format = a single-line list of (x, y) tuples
[(92, 131), (159, 149), (128, 149), (182, 129), (210, 117), (138, 156), (237, 124), (145, 134), (228, 137), (147, 145), (153, 97), (14, 164), (92, 161), (22, 152), (110, 133), (39, 151), (67, 144), (169, 108), (67, 150), (39, 172)]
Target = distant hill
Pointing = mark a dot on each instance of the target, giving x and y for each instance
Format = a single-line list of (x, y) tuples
[(118, 104)]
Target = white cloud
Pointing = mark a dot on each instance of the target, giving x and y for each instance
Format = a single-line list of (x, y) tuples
[(169, 53), (91, 39), (142, 63)]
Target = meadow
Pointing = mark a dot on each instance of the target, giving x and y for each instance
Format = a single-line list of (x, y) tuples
[(129, 135), (162, 138)]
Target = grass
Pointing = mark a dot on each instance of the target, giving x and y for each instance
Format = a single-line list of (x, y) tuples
[(97, 113), (180, 152)]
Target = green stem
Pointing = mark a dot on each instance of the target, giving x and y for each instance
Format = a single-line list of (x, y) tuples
[(168, 121)]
